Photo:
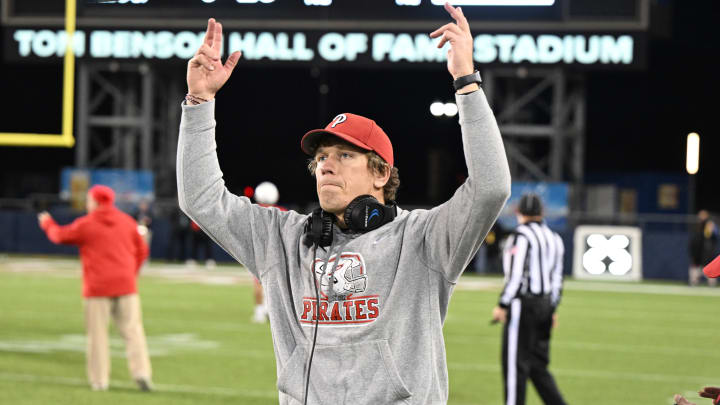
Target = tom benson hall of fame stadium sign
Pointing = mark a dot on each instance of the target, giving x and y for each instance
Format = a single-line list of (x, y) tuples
[(366, 48)]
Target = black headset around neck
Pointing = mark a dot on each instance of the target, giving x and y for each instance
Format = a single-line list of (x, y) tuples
[(364, 214)]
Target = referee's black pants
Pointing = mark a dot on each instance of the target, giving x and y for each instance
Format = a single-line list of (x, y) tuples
[(526, 351)]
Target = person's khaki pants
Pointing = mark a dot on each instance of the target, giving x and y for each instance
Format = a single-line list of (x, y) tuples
[(696, 275), (127, 317)]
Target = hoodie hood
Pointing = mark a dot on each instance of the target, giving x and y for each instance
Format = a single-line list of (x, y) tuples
[(106, 214)]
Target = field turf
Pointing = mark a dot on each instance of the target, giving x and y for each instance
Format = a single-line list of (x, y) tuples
[(615, 343)]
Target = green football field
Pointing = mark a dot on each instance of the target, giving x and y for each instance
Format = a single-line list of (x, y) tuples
[(615, 343)]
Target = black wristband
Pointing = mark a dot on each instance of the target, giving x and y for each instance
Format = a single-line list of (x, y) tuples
[(463, 81)]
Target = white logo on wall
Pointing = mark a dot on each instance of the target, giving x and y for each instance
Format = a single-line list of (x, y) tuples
[(607, 252)]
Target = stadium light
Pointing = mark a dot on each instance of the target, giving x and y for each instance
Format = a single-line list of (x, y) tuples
[(450, 109), (495, 2), (692, 157), (437, 108)]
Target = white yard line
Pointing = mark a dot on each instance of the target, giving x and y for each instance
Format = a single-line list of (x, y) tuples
[(567, 345), (232, 392), (237, 274), (174, 388), (600, 375), (642, 288)]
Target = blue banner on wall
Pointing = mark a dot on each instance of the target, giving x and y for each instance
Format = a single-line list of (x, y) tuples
[(555, 203), (130, 186)]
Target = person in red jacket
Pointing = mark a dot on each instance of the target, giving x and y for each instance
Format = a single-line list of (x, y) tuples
[(112, 252)]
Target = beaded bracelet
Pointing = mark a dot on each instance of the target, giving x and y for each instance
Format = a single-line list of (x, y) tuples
[(194, 100)]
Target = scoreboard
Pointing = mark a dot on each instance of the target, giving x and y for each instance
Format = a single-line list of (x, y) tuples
[(355, 12), (309, 10)]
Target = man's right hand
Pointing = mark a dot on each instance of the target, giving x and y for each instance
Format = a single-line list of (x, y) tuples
[(206, 73), (42, 217)]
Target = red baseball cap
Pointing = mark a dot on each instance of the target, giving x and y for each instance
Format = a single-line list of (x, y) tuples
[(712, 270), (358, 130), (102, 194)]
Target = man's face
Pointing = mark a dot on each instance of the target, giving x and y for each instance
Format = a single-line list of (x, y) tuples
[(342, 174)]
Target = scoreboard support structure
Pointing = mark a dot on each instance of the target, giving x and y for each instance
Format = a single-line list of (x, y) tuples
[(541, 115)]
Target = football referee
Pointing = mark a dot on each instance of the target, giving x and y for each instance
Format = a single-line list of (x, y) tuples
[(533, 265)]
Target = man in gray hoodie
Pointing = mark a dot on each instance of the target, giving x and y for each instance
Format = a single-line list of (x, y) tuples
[(357, 292)]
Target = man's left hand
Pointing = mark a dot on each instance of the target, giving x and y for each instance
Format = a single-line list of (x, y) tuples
[(680, 400), (460, 54)]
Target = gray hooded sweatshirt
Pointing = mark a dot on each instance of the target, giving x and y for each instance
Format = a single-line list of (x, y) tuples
[(384, 294)]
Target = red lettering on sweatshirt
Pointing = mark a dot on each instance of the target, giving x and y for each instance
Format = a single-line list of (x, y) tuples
[(323, 311), (336, 312), (348, 305), (372, 305), (307, 307), (358, 311)]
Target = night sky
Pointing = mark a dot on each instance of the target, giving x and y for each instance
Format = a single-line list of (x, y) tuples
[(637, 121)]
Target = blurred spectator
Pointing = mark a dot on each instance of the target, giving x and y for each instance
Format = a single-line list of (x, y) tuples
[(266, 194), (200, 241), (143, 216), (492, 249), (703, 245), (112, 252), (179, 232)]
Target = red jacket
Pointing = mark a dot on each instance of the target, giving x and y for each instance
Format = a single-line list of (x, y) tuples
[(111, 250)]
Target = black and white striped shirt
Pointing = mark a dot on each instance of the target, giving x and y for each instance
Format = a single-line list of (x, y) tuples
[(533, 263)]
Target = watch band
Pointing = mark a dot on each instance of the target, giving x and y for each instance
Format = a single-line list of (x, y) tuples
[(463, 81)]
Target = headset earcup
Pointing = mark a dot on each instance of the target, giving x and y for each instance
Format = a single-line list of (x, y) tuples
[(355, 213), (326, 237), (365, 213), (318, 228)]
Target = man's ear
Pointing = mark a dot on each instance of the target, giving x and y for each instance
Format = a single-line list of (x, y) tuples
[(381, 178)]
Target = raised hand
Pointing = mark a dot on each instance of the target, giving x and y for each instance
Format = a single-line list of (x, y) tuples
[(206, 73), (459, 56)]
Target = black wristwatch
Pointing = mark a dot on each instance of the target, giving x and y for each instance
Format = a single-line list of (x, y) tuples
[(463, 81)]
